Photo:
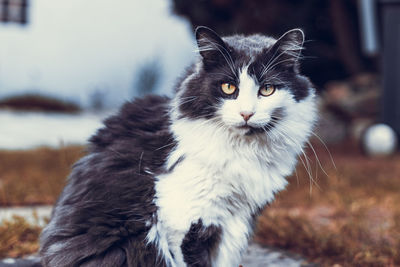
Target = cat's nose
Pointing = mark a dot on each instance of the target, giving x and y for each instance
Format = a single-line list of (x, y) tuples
[(246, 114)]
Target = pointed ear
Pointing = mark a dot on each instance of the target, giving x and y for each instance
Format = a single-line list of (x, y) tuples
[(210, 46), (287, 49)]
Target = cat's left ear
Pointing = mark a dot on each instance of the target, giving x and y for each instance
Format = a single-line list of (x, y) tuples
[(287, 49), (211, 47)]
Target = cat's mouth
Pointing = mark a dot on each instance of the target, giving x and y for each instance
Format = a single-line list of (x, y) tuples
[(250, 129), (244, 126)]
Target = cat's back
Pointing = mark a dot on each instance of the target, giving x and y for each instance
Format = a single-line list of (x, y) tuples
[(138, 135)]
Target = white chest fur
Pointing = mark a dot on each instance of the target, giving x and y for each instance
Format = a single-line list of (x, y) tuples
[(220, 180)]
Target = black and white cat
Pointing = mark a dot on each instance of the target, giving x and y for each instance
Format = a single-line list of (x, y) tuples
[(180, 182)]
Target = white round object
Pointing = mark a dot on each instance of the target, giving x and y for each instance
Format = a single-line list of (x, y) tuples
[(379, 140)]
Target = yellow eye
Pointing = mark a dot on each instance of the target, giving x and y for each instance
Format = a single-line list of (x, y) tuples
[(228, 88), (267, 90)]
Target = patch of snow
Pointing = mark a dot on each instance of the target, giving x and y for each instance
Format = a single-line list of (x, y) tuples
[(257, 256), (9, 261), (20, 130), (34, 215)]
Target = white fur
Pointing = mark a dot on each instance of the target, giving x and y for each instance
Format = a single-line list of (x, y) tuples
[(226, 176), (248, 100)]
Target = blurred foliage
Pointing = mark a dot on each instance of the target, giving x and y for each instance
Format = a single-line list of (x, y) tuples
[(331, 27), (148, 77), (18, 238), (37, 102)]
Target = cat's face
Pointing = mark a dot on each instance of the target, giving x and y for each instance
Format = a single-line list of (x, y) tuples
[(247, 84)]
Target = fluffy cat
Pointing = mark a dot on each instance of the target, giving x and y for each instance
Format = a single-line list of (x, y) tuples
[(180, 181)]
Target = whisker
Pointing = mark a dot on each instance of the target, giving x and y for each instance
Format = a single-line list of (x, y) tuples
[(317, 158), (305, 162), (326, 148)]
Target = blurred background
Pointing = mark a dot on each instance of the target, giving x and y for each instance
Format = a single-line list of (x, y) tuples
[(66, 65)]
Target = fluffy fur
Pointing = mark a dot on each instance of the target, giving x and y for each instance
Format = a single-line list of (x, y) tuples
[(179, 182)]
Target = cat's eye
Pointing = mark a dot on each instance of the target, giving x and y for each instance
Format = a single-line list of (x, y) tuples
[(228, 88), (267, 90)]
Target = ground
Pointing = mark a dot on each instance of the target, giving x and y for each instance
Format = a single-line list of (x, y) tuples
[(347, 216)]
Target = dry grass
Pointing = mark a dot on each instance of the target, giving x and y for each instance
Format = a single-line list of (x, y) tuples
[(35, 176), (351, 218), (18, 238), (26, 178)]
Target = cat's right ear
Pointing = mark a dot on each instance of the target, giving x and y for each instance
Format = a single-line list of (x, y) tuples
[(287, 49), (211, 47)]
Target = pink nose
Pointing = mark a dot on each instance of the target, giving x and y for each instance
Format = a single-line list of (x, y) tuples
[(246, 115)]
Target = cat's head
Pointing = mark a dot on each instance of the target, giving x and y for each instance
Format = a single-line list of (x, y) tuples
[(247, 84)]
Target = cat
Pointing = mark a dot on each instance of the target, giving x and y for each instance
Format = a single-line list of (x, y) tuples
[(180, 181)]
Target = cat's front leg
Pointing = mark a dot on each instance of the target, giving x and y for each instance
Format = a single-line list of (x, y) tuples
[(233, 242), (200, 243)]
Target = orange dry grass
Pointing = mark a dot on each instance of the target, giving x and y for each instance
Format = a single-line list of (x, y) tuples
[(18, 238), (35, 176), (30, 177), (351, 218)]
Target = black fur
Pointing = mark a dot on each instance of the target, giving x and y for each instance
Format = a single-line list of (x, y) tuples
[(199, 243), (212, 48), (100, 218)]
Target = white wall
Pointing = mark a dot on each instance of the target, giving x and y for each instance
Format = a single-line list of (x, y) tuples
[(72, 47)]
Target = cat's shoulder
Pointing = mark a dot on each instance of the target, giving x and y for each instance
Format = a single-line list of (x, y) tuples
[(136, 119), (144, 108)]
